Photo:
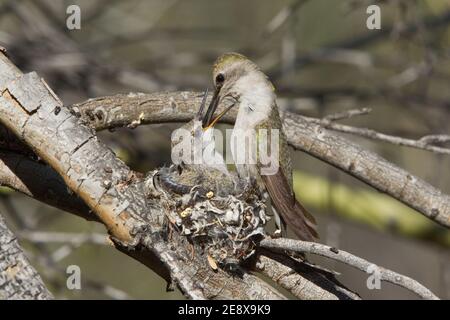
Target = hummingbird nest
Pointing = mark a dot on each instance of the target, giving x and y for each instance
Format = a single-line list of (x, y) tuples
[(224, 220)]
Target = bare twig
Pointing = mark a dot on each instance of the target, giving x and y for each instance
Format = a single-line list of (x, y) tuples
[(359, 41), (346, 115), (280, 18), (424, 143), (351, 260), (63, 237)]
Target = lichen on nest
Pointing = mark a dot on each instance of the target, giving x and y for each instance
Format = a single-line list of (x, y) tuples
[(226, 225)]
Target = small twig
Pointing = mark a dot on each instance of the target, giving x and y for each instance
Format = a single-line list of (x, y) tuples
[(435, 138), (424, 143), (64, 237), (347, 114), (351, 260), (282, 16)]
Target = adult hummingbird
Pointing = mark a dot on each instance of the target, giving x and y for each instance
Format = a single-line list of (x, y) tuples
[(239, 83)]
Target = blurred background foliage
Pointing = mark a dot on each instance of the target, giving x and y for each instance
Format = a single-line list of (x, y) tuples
[(322, 59)]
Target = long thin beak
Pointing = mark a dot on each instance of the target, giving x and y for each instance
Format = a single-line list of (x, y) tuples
[(199, 115), (208, 118)]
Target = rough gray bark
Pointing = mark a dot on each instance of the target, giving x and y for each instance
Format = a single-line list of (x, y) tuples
[(115, 194), (18, 279), (134, 109)]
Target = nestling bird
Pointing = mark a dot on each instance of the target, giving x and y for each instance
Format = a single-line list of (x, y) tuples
[(239, 83), (189, 143)]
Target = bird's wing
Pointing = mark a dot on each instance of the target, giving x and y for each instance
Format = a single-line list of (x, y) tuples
[(294, 214)]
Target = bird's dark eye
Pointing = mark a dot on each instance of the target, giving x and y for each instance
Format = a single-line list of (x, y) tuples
[(220, 78)]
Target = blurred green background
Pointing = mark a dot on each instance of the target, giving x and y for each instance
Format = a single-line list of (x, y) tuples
[(322, 59)]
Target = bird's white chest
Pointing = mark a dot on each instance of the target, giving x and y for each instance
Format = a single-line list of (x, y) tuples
[(255, 100)]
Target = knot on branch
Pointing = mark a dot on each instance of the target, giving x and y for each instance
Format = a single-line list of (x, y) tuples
[(223, 217)]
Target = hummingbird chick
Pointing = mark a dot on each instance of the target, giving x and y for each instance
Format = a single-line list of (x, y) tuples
[(198, 167)]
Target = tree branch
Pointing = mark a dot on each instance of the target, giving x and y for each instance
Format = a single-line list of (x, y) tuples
[(134, 109), (351, 260), (369, 168)]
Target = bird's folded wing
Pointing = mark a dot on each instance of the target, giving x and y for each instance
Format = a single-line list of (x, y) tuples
[(292, 212)]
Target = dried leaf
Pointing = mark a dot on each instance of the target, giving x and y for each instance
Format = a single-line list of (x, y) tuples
[(212, 263)]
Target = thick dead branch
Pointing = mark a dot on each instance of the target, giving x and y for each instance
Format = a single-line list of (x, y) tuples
[(347, 114), (351, 260), (134, 109), (18, 279)]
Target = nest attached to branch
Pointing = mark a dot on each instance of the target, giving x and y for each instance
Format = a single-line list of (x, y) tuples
[(225, 219)]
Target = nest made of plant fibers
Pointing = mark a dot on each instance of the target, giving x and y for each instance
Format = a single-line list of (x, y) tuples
[(227, 227)]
